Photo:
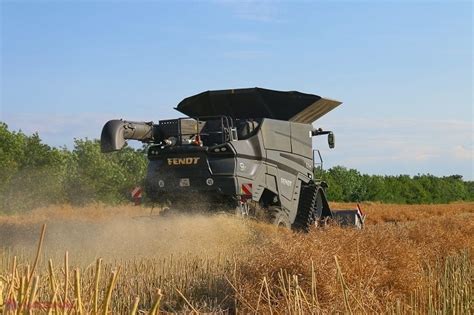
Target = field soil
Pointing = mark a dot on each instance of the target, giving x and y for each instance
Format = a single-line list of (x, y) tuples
[(119, 259)]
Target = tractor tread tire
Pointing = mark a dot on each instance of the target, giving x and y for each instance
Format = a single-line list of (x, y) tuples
[(309, 208)]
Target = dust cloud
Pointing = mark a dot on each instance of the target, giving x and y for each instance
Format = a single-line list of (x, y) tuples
[(122, 233)]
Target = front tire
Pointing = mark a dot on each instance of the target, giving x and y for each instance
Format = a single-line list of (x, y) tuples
[(279, 217)]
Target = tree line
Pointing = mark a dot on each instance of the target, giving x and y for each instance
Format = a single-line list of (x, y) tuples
[(351, 186), (35, 174)]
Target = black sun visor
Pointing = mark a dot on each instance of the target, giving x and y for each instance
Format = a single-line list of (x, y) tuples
[(258, 103)]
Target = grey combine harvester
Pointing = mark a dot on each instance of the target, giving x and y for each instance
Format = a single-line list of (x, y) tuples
[(244, 150)]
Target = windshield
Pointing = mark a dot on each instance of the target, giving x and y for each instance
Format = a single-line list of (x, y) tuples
[(203, 131)]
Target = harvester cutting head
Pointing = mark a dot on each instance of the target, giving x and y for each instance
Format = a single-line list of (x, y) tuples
[(243, 149)]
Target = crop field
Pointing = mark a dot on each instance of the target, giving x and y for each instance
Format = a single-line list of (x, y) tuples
[(413, 259)]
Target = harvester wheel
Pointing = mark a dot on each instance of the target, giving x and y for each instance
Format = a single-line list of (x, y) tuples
[(310, 208), (279, 217)]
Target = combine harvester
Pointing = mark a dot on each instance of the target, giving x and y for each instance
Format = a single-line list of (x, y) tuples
[(243, 150)]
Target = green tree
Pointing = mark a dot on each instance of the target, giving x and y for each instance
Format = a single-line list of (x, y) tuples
[(11, 151), (32, 172), (94, 176), (346, 183)]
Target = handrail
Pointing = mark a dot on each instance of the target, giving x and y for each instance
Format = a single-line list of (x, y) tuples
[(320, 164)]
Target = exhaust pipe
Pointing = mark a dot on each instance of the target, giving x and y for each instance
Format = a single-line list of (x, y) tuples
[(115, 132)]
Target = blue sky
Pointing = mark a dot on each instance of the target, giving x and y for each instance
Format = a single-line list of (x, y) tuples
[(403, 69)]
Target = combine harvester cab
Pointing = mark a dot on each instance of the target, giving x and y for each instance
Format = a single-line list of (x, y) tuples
[(249, 150)]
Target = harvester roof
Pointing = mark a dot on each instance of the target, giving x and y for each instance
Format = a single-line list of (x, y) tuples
[(258, 103)]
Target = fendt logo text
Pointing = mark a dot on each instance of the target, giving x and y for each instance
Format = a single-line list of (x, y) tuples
[(183, 161), (286, 182)]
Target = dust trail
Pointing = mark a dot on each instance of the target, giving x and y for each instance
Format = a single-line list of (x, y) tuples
[(123, 233)]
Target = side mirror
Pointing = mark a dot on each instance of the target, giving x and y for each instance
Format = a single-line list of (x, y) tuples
[(331, 140)]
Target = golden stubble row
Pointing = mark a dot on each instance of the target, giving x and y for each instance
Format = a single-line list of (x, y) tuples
[(421, 263)]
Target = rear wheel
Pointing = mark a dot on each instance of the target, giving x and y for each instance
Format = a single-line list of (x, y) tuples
[(279, 217)]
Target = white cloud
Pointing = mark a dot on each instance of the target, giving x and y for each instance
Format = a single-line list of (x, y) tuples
[(239, 37), (401, 145), (462, 153), (401, 124), (246, 54), (253, 10), (59, 130), (53, 123)]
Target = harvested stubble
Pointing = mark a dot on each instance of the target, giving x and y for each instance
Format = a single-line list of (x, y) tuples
[(422, 264), (394, 213)]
